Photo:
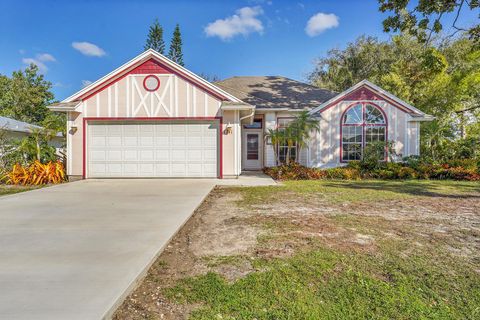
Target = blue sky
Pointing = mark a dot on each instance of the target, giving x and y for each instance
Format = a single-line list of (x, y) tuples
[(80, 41)]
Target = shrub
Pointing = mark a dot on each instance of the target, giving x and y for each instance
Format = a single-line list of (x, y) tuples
[(407, 173), (464, 169), (36, 174), (344, 173)]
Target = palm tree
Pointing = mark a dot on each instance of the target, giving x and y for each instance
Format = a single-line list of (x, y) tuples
[(302, 127), (276, 137)]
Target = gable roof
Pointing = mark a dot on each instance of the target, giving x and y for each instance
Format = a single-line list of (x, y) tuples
[(142, 58), (275, 92), (385, 94)]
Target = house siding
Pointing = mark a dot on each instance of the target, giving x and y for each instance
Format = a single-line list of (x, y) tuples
[(325, 145), (127, 98)]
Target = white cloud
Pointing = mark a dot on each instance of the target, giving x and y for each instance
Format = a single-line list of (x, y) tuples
[(45, 57), (243, 22), (40, 61), (321, 22), (88, 49), (86, 83)]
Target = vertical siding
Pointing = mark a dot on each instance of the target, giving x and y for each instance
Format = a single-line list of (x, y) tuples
[(128, 98), (270, 123)]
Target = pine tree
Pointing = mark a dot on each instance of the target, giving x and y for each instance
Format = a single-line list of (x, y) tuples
[(175, 53), (155, 38)]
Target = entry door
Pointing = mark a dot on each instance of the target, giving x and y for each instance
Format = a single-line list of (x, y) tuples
[(252, 150)]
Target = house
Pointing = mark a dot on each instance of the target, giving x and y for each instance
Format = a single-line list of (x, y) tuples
[(154, 118), (16, 130)]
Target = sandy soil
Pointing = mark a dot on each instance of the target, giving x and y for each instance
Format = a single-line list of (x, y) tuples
[(221, 228)]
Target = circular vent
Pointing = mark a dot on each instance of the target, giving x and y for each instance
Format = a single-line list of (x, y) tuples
[(151, 83)]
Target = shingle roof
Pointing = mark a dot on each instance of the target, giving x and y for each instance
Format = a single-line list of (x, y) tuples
[(275, 92), (15, 125)]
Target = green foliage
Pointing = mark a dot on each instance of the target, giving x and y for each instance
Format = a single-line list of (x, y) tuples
[(296, 134), (441, 79), (424, 17), (25, 95), (374, 154), (24, 151), (175, 53), (155, 38), (411, 168)]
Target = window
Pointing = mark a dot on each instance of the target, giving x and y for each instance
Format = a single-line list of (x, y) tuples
[(282, 123), (151, 83), (252, 146), (362, 123), (256, 124)]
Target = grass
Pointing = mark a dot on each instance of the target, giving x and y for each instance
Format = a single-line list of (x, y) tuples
[(324, 284), (408, 277), (360, 191), (9, 189)]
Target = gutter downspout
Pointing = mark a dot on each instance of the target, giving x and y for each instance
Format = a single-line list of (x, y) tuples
[(247, 116)]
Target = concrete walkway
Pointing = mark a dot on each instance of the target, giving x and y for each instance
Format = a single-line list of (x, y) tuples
[(72, 251), (249, 179)]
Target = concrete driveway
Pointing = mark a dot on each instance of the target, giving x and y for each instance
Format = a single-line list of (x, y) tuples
[(71, 251)]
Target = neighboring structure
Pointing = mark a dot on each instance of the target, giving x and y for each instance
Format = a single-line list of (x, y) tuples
[(154, 118), (14, 129)]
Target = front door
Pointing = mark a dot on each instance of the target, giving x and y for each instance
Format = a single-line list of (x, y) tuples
[(252, 149)]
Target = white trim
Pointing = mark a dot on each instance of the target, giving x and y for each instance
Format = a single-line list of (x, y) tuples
[(75, 108), (127, 103), (206, 104), (375, 88), (98, 104), (188, 99), (194, 101), (150, 53), (116, 99), (417, 146), (407, 151), (109, 101), (239, 107), (235, 116), (176, 96), (69, 144)]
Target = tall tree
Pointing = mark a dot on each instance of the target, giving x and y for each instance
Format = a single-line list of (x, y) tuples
[(155, 38), (25, 95), (442, 79), (367, 57), (423, 18), (175, 53)]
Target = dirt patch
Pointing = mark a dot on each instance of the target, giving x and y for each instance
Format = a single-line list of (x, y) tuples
[(215, 230), (225, 237)]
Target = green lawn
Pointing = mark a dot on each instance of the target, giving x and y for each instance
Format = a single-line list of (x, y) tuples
[(423, 261), (8, 189)]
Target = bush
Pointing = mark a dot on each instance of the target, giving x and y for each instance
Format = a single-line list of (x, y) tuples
[(407, 173), (36, 174), (411, 168)]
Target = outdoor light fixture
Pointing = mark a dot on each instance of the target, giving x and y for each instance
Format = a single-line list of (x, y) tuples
[(228, 129)]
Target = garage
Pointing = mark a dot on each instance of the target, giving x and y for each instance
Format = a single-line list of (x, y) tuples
[(157, 149)]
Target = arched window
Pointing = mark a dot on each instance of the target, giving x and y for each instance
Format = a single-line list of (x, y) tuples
[(362, 123)]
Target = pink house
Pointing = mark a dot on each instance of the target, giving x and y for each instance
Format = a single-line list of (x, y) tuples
[(154, 118)]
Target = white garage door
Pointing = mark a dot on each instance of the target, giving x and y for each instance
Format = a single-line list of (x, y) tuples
[(153, 149)]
